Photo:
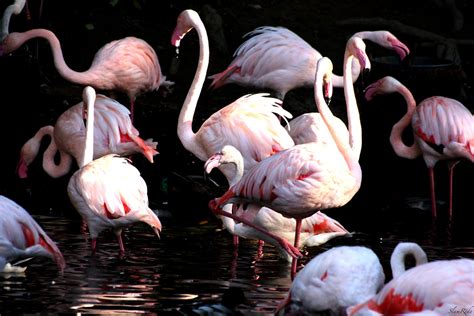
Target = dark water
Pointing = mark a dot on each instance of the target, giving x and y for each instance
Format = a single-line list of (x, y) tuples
[(194, 263)]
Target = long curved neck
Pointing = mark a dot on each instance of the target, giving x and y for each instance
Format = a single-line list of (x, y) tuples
[(353, 118), (397, 260), (185, 120), (52, 169), (238, 162), (402, 150), (89, 144), (63, 69), (328, 118)]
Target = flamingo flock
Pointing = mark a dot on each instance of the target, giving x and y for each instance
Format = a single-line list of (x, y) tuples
[(283, 173)]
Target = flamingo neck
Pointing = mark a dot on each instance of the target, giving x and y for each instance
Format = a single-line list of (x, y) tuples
[(397, 260), (353, 117), (328, 118), (185, 120), (14, 8), (402, 150), (52, 169), (59, 62), (88, 154)]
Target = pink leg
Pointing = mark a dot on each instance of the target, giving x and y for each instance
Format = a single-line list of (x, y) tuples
[(27, 11), (451, 165), (292, 251), (297, 242), (433, 195), (235, 238), (119, 238), (93, 245), (132, 110)]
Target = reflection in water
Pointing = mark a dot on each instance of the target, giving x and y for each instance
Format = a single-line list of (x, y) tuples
[(191, 267)]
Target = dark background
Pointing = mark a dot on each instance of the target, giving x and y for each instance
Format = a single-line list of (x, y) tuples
[(34, 95)]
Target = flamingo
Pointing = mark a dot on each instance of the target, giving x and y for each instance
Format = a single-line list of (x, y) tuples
[(278, 59), (397, 260), (443, 129), (435, 288), (249, 123), (299, 181), (315, 230), (14, 8), (333, 281), (129, 65), (108, 192), (113, 133), (22, 237)]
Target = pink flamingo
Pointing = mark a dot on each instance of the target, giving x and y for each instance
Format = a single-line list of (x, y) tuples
[(299, 181), (14, 8), (249, 123), (433, 288), (278, 59), (315, 230), (443, 130), (108, 192), (334, 280), (22, 237), (113, 133), (129, 65)]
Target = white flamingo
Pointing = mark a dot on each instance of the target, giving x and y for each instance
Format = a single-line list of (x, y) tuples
[(108, 192)]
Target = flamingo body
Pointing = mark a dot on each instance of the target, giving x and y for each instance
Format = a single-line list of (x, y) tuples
[(108, 192), (113, 133), (22, 237), (334, 280), (278, 59), (434, 288)]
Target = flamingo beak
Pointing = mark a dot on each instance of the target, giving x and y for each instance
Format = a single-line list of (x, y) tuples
[(213, 162)]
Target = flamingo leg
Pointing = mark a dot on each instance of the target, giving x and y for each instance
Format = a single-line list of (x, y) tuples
[(451, 165), (292, 251), (27, 11), (120, 241), (297, 242), (235, 238), (132, 111), (432, 189), (93, 245)]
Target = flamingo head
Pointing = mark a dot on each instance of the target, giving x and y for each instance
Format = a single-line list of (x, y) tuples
[(28, 153), (228, 154), (22, 168), (384, 85), (10, 43), (391, 42), (184, 24)]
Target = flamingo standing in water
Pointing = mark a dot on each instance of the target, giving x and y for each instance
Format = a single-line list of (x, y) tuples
[(305, 178), (315, 230), (443, 130), (435, 288), (113, 133), (108, 192), (334, 280), (129, 65), (22, 237), (278, 59)]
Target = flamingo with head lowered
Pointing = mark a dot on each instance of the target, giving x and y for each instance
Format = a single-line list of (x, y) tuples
[(434, 288), (315, 230), (108, 192), (113, 133), (128, 65), (443, 130), (299, 181), (276, 58), (22, 237)]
